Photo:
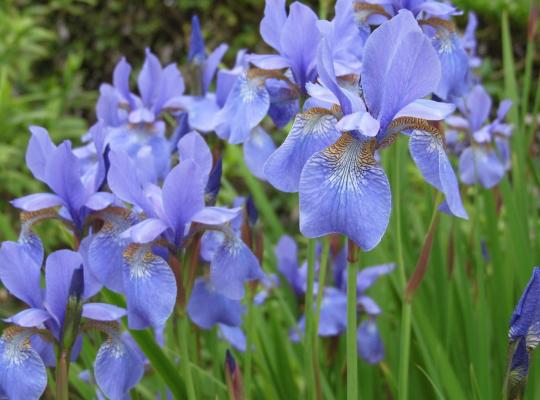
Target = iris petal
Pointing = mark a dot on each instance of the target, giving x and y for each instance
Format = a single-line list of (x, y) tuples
[(118, 368), (208, 307), (427, 151), (343, 191), (150, 287), (311, 132), (22, 373), (233, 264)]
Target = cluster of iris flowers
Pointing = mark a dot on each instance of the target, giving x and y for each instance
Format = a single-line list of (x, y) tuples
[(140, 196)]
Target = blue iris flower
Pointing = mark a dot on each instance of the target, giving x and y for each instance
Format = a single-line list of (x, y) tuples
[(329, 156), (26, 348)]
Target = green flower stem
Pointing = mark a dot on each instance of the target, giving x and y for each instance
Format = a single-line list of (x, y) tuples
[(406, 309), (184, 354), (352, 355), (62, 375), (308, 336), (250, 339)]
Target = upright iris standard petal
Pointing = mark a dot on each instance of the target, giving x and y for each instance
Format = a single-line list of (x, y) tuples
[(399, 66), (118, 368), (246, 106), (63, 175), (272, 22), (105, 252), (427, 150), (312, 131), (343, 191), (149, 286), (257, 148), (121, 74), (208, 307), (22, 373), (211, 65), (40, 147), (149, 75), (20, 273), (233, 265), (193, 146), (370, 345), (59, 270), (183, 195), (124, 182), (525, 320), (298, 41), (478, 106)]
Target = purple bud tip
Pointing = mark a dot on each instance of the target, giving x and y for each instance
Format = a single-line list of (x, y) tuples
[(230, 362), (76, 288)]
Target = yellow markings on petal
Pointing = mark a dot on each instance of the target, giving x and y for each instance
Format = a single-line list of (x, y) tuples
[(439, 23), (34, 216), (368, 10), (347, 146), (401, 124)]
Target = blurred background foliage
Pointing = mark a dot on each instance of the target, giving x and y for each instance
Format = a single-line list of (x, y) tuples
[(54, 55)]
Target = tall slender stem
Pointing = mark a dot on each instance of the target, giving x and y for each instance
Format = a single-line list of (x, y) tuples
[(250, 328), (352, 356), (406, 310), (308, 337), (323, 268), (62, 375), (184, 354)]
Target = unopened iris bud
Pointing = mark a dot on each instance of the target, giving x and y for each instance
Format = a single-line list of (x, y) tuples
[(73, 309), (214, 183), (234, 377), (252, 212)]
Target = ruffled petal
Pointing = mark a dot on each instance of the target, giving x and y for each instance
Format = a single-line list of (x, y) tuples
[(150, 288), (343, 191), (284, 103), (311, 132), (208, 307)]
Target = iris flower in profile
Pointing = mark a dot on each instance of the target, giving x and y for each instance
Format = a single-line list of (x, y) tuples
[(329, 155), (485, 150), (134, 122), (27, 346)]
